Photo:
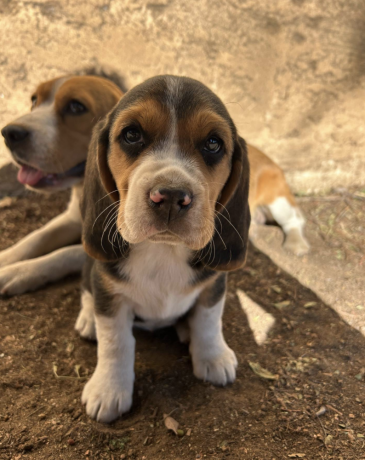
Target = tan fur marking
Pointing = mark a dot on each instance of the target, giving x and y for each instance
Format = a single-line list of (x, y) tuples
[(149, 113), (267, 180), (44, 91)]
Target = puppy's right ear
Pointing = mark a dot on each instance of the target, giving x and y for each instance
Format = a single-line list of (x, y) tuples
[(100, 199)]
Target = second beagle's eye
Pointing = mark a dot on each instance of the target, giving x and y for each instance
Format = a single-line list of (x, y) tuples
[(132, 135), (34, 100), (75, 107), (213, 144)]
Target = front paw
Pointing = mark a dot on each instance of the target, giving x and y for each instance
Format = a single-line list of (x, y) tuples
[(17, 279), (85, 323), (296, 243), (107, 396), (216, 365)]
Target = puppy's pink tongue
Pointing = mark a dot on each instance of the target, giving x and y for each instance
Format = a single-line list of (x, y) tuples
[(29, 176)]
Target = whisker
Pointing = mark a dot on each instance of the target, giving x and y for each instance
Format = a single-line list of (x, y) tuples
[(102, 212), (234, 228)]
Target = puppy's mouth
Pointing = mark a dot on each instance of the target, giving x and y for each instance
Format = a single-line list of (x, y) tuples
[(36, 178), (165, 237)]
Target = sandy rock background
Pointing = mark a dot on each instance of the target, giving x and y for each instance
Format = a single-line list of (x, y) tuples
[(290, 72)]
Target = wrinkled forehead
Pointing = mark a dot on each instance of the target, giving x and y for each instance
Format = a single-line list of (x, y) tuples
[(168, 99)]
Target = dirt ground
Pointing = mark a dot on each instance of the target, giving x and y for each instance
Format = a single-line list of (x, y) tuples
[(292, 72), (316, 361)]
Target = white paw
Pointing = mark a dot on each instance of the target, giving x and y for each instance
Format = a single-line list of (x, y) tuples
[(183, 331), (85, 323), (19, 278), (296, 245), (217, 365), (107, 396), (85, 326)]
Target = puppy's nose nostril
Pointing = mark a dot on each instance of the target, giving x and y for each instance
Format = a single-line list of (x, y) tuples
[(185, 201), (14, 134), (157, 197)]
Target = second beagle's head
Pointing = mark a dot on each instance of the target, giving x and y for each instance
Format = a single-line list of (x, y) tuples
[(50, 143), (167, 166)]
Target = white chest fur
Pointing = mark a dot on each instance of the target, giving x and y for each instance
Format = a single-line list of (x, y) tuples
[(159, 282)]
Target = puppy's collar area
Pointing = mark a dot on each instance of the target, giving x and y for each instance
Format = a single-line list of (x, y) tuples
[(27, 175)]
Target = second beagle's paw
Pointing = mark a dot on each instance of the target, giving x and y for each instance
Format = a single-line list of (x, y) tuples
[(107, 396), (85, 323), (19, 278), (217, 365), (296, 243)]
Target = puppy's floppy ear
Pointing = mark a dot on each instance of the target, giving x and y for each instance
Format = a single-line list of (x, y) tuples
[(99, 203), (232, 220)]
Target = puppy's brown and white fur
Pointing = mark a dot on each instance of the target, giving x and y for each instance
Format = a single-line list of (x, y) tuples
[(56, 149), (50, 146), (165, 216), (271, 200)]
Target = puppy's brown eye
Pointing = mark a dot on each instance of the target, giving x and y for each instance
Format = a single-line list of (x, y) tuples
[(34, 100), (132, 135), (75, 108), (213, 145)]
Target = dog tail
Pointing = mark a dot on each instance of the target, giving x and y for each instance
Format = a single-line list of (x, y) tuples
[(98, 70)]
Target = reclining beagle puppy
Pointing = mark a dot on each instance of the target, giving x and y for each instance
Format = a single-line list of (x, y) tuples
[(165, 216), (50, 147)]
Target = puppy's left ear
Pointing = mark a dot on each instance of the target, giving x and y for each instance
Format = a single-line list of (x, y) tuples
[(227, 250), (99, 201)]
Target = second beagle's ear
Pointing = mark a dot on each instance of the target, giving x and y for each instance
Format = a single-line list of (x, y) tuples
[(227, 249), (100, 198)]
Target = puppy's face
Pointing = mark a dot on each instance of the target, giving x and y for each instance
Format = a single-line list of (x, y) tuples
[(50, 143), (170, 151)]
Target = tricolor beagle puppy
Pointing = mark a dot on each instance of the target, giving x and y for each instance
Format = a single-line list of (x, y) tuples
[(50, 147), (165, 216)]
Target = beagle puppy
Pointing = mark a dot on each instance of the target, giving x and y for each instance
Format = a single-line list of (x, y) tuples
[(165, 217), (49, 145)]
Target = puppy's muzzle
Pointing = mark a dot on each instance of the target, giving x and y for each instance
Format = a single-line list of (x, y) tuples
[(170, 204), (14, 135)]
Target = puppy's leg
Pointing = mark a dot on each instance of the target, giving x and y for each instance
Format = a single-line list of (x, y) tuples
[(30, 275), (257, 218), (213, 360), (85, 323), (61, 231), (292, 222), (108, 394), (183, 330)]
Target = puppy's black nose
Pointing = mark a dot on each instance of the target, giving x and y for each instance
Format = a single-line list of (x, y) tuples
[(14, 134), (170, 204)]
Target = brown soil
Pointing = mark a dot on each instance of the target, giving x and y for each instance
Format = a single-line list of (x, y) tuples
[(317, 358), (339, 221)]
